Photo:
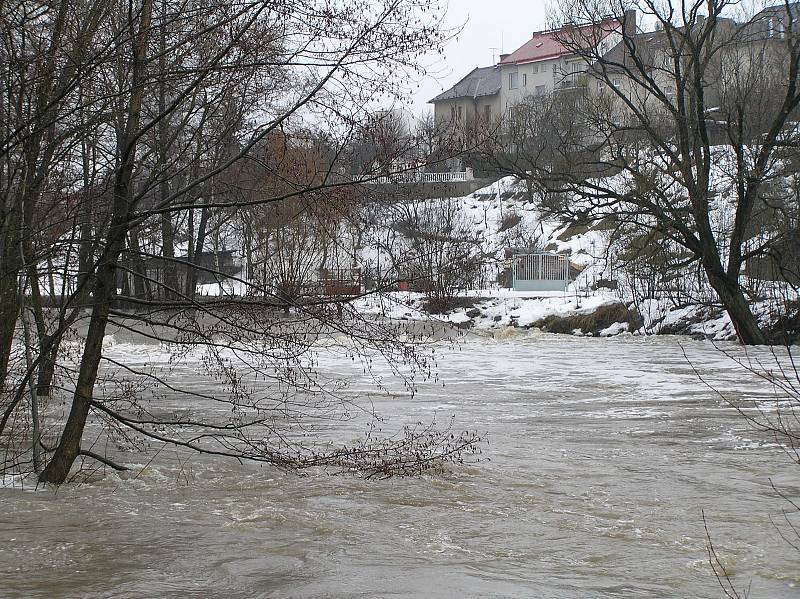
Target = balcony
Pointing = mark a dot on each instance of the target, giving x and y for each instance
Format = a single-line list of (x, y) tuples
[(577, 81)]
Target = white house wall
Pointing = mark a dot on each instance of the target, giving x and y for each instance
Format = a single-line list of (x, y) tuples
[(542, 74)]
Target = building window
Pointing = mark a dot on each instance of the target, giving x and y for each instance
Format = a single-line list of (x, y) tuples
[(487, 112), (616, 82), (459, 113), (771, 27), (513, 81), (540, 89), (600, 85), (524, 80), (452, 113), (535, 69)]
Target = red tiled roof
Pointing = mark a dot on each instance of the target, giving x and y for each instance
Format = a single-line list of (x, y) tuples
[(546, 44)]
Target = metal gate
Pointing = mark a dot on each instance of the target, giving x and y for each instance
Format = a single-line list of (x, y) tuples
[(540, 272)]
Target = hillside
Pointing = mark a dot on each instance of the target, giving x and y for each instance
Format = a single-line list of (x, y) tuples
[(602, 298)]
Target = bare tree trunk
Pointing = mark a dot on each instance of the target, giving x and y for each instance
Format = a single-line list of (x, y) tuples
[(730, 294), (141, 286), (35, 424), (13, 264), (87, 244), (170, 286), (105, 283), (168, 251), (9, 289), (48, 343), (196, 251)]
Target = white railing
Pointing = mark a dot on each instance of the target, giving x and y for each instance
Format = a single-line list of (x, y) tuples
[(420, 177)]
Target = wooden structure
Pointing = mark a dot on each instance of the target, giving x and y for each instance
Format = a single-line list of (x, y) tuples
[(341, 282)]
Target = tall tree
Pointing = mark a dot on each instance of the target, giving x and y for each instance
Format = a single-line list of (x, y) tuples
[(697, 109), (170, 97)]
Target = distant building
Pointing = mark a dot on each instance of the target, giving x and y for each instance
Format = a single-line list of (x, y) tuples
[(544, 64), (540, 66), (473, 100), (745, 53)]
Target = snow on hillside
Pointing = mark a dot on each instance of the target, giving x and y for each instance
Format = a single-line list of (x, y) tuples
[(505, 215), (502, 216)]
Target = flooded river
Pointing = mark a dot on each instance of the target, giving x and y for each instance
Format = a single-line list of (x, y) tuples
[(603, 455)]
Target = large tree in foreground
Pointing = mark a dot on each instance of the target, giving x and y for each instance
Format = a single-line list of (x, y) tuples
[(695, 117), (161, 107)]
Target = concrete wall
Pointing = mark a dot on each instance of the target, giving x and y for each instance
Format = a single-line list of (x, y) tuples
[(426, 191)]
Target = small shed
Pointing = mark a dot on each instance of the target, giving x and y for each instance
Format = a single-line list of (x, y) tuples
[(541, 271)]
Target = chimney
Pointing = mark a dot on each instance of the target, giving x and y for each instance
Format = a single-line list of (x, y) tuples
[(629, 23), (504, 56)]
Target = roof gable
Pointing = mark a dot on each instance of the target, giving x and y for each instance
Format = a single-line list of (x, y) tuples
[(545, 45), (480, 82)]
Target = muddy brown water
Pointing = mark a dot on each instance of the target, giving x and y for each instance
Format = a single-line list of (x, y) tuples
[(603, 455)]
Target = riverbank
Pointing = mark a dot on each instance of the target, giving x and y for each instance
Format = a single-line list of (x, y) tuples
[(594, 314)]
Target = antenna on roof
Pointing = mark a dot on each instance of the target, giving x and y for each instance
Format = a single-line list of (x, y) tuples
[(494, 50)]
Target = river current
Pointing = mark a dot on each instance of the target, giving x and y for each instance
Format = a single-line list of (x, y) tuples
[(602, 457)]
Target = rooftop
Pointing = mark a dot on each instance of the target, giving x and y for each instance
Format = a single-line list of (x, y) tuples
[(780, 10), (546, 44), (482, 81)]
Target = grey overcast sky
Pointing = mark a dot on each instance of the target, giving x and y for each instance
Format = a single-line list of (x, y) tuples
[(487, 24)]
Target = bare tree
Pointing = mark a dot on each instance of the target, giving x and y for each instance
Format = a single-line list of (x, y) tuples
[(673, 112), (436, 248), (162, 102)]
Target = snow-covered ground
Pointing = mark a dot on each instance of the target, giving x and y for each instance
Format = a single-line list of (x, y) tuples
[(507, 215), (488, 212), (489, 308)]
